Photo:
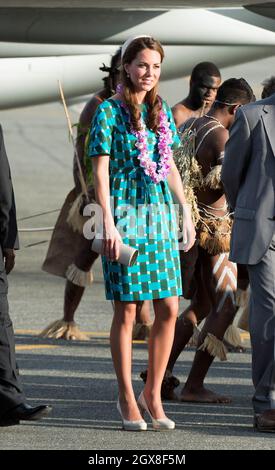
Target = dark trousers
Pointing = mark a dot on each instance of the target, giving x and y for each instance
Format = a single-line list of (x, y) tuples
[(11, 393), (262, 329)]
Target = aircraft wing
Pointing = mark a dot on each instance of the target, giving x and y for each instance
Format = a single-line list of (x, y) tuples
[(122, 4), (47, 40)]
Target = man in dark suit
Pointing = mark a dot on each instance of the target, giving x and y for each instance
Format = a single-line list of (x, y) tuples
[(248, 176), (13, 407)]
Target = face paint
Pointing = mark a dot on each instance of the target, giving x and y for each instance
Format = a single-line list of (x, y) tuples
[(226, 280)]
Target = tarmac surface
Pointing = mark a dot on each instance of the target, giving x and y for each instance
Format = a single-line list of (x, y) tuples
[(77, 378)]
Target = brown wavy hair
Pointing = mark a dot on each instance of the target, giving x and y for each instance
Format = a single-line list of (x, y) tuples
[(151, 98)]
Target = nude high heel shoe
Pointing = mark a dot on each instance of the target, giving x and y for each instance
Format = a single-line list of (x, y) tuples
[(131, 425), (160, 424)]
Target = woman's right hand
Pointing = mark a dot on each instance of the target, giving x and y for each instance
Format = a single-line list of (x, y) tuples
[(111, 240)]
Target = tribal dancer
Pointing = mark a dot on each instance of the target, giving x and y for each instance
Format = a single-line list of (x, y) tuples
[(204, 83), (213, 292)]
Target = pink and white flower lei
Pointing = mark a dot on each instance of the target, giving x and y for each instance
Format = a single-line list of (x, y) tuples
[(157, 171)]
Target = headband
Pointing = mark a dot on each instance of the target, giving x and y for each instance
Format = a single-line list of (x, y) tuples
[(226, 103), (129, 41)]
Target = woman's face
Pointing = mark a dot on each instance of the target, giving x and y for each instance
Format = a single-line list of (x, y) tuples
[(144, 70)]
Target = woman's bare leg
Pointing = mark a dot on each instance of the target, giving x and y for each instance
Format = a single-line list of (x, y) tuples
[(160, 344), (121, 348)]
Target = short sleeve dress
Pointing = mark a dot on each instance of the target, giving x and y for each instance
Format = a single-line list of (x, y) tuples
[(143, 210)]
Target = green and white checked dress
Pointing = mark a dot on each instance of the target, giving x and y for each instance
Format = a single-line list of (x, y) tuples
[(143, 210)]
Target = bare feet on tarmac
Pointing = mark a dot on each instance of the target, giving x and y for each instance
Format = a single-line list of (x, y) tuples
[(202, 395)]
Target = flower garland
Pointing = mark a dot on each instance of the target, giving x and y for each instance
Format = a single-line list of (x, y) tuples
[(156, 171)]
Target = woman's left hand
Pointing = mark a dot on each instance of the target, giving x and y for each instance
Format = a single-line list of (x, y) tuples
[(189, 232)]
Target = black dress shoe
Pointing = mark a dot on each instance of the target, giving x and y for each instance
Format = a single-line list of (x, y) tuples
[(265, 422), (24, 412)]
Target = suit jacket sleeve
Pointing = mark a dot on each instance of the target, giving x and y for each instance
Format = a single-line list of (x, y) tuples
[(8, 224), (236, 158)]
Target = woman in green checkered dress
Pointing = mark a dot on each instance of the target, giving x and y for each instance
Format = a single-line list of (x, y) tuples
[(131, 142)]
